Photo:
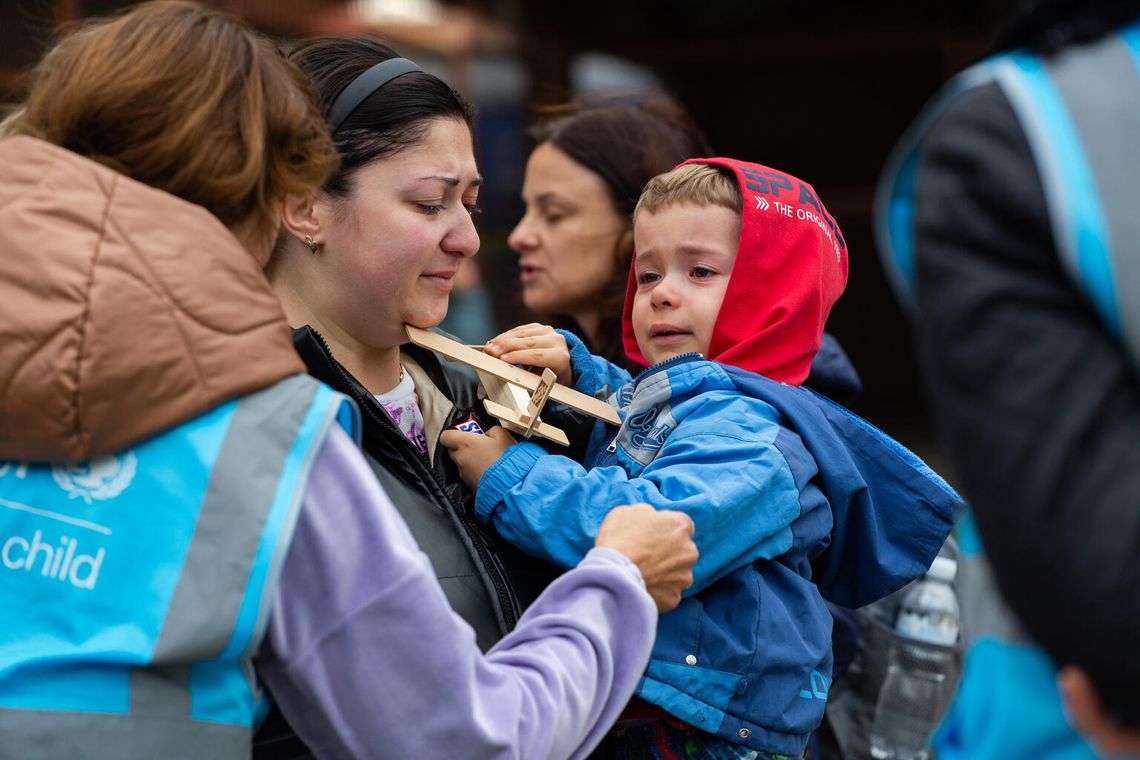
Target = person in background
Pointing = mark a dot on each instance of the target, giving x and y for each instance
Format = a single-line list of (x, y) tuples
[(182, 509), (1007, 217), (583, 179)]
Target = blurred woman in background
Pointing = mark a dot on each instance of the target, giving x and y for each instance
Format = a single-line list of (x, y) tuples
[(582, 181)]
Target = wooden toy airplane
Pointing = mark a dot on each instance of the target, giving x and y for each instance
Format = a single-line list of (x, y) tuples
[(513, 395)]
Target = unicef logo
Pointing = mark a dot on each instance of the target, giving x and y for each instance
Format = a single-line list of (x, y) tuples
[(97, 479)]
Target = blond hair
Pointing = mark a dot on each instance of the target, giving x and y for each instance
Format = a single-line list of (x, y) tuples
[(699, 184), (186, 99), (9, 124)]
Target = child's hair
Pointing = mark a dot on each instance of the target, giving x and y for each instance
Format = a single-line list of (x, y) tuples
[(700, 184)]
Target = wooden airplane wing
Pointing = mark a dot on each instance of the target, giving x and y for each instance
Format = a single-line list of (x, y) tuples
[(484, 363)]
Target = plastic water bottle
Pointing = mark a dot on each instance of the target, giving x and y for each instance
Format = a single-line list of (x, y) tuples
[(920, 678)]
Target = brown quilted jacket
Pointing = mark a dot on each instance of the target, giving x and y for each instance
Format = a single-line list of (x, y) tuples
[(123, 310)]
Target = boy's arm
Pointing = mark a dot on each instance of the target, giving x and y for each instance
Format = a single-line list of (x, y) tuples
[(538, 345), (725, 470), (593, 374)]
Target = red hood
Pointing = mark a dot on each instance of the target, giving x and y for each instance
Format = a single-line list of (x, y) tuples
[(790, 269)]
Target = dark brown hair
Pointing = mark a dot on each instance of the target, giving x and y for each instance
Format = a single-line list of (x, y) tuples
[(388, 120), (188, 100), (626, 141), (1044, 27)]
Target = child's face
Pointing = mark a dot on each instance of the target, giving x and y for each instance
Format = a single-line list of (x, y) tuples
[(685, 254)]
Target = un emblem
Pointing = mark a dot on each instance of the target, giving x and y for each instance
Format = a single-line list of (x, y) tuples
[(96, 479)]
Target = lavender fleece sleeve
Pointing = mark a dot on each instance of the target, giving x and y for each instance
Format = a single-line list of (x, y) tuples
[(366, 659)]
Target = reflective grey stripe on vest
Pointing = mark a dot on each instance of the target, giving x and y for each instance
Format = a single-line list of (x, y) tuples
[(204, 608), (93, 736), (1081, 112), (249, 470), (984, 611)]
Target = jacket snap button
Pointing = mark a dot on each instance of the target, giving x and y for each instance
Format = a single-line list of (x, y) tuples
[(691, 659), (744, 733)]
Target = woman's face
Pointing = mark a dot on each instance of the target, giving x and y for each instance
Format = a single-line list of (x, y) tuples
[(392, 247), (568, 240)]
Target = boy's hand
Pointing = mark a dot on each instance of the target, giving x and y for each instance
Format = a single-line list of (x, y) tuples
[(534, 345), (659, 543), (475, 453)]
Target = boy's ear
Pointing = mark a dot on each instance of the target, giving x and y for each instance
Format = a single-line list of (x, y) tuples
[(300, 217)]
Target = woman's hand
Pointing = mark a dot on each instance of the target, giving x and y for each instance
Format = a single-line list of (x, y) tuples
[(534, 345), (475, 453), (659, 543)]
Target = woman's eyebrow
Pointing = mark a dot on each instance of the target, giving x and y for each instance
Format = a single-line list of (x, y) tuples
[(453, 181)]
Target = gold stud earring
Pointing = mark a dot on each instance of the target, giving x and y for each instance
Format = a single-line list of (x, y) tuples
[(311, 243)]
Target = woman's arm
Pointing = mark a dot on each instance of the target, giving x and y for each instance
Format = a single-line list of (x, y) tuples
[(366, 659)]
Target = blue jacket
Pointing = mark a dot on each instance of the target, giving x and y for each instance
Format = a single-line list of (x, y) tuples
[(794, 500)]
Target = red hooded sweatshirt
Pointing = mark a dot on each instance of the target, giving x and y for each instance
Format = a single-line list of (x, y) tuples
[(791, 268)]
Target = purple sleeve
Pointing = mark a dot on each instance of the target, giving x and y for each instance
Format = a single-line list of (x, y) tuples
[(366, 659)]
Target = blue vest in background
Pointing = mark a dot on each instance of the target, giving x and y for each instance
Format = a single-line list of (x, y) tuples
[(1079, 111)]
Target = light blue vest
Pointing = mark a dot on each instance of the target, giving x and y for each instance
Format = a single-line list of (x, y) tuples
[(1080, 112), (135, 588)]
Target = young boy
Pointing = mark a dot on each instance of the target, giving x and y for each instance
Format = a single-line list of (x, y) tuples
[(793, 498)]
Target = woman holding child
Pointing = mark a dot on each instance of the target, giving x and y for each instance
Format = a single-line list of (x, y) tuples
[(582, 180), (380, 246)]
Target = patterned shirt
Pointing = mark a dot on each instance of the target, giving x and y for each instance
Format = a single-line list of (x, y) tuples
[(403, 407)]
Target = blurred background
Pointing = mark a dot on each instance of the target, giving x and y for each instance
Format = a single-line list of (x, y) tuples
[(821, 90)]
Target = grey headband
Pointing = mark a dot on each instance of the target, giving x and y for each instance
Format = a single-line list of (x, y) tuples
[(366, 84)]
